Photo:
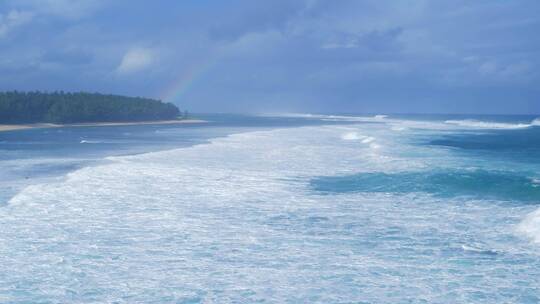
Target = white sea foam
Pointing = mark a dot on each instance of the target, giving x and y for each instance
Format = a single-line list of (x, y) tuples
[(354, 136), (237, 214), (398, 128), (404, 124), (323, 117), (530, 226), (470, 248), (478, 249), (85, 141), (367, 140), (469, 123), (350, 136)]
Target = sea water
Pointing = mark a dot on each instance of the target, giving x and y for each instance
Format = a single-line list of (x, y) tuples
[(274, 209)]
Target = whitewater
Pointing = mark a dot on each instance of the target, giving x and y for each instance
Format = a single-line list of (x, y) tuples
[(368, 210)]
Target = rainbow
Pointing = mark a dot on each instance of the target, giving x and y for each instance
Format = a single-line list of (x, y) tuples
[(186, 79)]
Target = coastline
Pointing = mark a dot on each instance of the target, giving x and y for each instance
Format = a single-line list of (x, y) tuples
[(13, 127)]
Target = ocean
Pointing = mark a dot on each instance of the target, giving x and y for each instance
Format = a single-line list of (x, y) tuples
[(288, 208)]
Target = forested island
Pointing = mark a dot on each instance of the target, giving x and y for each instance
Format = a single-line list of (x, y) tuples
[(68, 108)]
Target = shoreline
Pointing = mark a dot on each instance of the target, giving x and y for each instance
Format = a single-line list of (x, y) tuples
[(14, 127)]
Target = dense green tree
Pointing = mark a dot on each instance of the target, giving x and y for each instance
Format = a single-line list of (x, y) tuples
[(61, 107)]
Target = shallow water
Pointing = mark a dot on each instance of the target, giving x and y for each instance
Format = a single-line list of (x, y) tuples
[(311, 208)]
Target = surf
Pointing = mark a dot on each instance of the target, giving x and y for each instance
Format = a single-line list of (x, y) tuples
[(213, 212), (471, 123)]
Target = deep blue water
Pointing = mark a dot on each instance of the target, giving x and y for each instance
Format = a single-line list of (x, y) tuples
[(274, 209), (521, 145)]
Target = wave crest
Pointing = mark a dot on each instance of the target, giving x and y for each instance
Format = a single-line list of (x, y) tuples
[(470, 123), (530, 226), (324, 117), (350, 136)]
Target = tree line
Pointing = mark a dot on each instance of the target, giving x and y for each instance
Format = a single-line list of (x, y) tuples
[(62, 107)]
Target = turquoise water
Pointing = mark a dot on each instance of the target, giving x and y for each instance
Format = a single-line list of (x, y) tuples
[(475, 183), (274, 209)]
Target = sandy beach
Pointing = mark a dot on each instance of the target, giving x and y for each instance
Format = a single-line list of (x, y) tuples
[(97, 124)]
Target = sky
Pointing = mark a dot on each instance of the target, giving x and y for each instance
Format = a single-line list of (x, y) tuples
[(308, 56)]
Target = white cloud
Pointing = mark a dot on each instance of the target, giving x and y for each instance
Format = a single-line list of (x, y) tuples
[(64, 8), (13, 19), (482, 70), (488, 68), (501, 71), (347, 45), (135, 60), (517, 69), (25, 10)]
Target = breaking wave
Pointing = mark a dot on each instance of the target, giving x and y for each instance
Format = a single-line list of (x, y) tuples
[(351, 136), (86, 141), (239, 214), (323, 117), (530, 226), (470, 123)]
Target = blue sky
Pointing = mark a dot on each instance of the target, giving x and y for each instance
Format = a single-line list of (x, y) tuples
[(281, 56)]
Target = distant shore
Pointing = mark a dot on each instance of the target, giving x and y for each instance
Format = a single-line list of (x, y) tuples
[(96, 124)]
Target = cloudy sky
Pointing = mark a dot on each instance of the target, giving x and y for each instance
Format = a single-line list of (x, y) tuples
[(281, 56)]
